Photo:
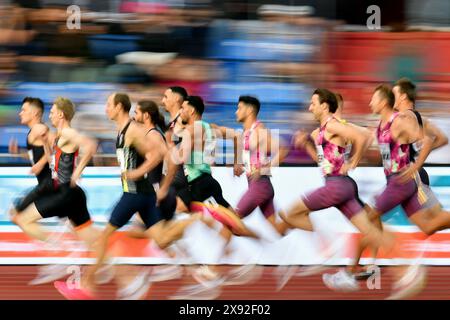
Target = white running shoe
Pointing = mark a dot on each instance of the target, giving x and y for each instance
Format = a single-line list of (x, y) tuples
[(342, 281), (198, 292), (139, 294), (284, 274), (243, 275), (50, 273), (206, 276), (105, 274), (410, 284), (165, 273), (137, 289), (307, 271)]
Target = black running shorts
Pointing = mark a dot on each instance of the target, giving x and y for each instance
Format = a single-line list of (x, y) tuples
[(65, 201)]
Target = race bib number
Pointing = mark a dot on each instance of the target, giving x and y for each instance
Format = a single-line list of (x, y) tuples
[(417, 146), (53, 166), (211, 201), (30, 155), (209, 151), (348, 151), (320, 155), (121, 159), (246, 159), (386, 155), (164, 168)]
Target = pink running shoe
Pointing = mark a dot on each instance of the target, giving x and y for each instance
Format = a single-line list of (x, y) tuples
[(73, 293)]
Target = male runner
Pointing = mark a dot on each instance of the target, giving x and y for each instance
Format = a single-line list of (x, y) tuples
[(430, 217), (31, 116), (137, 154), (395, 133), (405, 96), (255, 143), (65, 198), (340, 191), (172, 101), (196, 155)]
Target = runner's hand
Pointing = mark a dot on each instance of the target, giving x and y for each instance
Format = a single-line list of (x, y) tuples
[(36, 169), (74, 179), (300, 139), (13, 147), (131, 175), (346, 168), (407, 174), (161, 194), (256, 174), (238, 170)]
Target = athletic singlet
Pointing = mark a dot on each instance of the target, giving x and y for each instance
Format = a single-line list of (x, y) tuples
[(175, 138), (253, 159), (63, 165), (200, 160), (414, 148), (130, 159), (331, 157), (348, 146), (156, 174), (395, 156), (35, 153)]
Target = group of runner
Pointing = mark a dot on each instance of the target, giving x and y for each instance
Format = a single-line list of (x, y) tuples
[(166, 170)]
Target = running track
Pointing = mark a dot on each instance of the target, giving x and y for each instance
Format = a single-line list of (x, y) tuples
[(14, 285)]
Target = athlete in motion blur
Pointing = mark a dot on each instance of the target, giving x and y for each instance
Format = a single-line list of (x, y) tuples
[(340, 190)]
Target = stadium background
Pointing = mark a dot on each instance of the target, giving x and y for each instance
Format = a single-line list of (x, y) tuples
[(220, 50)]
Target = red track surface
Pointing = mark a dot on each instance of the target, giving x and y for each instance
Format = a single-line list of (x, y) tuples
[(14, 285)]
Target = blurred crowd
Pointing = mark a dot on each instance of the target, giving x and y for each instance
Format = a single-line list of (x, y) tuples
[(278, 51)]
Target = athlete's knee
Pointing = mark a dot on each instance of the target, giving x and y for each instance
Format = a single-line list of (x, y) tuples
[(13, 214), (372, 237), (299, 209), (106, 234), (423, 223), (427, 229), (161, 235), (288, 217), (162, 242), (136, 233), (372, 213), (22, 221), (285, 218), (365, 242), (225, 232), (246, 233), (18, 220)]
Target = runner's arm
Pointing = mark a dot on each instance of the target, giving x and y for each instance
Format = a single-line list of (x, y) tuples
[(48, 140), (349, 133), (150, 147), (439, 138), (368, 135), (39, 132), (306, 142), (406, 128), (87, 145)]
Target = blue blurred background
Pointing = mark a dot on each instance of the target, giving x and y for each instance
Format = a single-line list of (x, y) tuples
[(276, 50)]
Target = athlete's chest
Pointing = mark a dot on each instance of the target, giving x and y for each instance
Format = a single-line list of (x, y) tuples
[(250, 141)]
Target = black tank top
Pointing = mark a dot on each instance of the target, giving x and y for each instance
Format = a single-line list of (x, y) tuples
[(130, 159), (156, 174), (413, 148), (35, 153), (175, 139), (63, 165)]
